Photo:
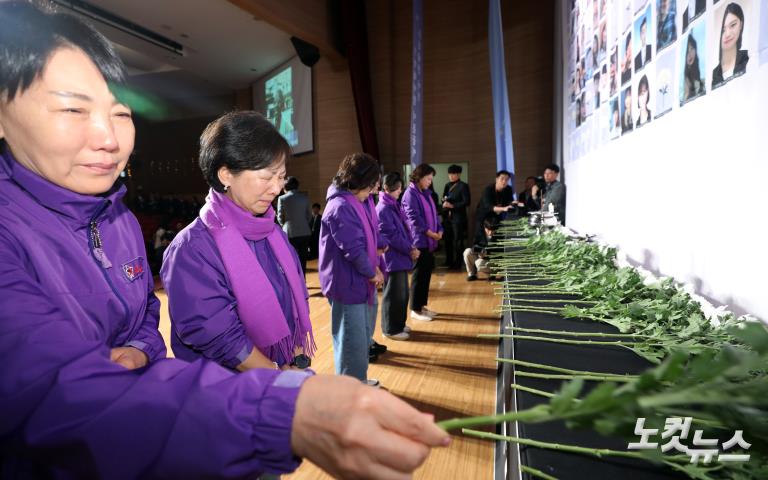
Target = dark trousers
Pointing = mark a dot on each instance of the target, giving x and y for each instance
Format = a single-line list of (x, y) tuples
[(301, 245), (394, 303), (454, 235), (422, 274)]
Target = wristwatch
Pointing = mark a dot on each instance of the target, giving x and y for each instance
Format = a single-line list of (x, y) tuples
[(301, 361)]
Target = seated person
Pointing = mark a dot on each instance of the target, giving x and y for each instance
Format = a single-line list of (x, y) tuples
[(476, 258)]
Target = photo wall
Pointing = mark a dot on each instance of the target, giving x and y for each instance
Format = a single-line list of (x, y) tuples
[(666, 137)]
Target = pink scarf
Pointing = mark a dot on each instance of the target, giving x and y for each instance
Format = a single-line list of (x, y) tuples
[(257, 305)]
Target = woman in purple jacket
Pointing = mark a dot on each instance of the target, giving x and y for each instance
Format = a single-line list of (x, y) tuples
[(348, 265), (426, 231), (398, 259), (234, 254), (85, 391)]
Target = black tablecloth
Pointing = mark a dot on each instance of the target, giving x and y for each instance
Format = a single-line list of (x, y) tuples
[(608, 359)]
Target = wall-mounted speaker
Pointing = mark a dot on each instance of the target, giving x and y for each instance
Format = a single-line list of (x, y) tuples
[(308, 53)]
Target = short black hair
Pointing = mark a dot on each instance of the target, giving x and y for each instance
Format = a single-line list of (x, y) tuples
[(291, 183), (29, 36), (491, 222), (240, 141), (391, 181), (503, 172), (316, 205), (530, 178), (421, 171), (455, 169), (553, 166), (357, 171)]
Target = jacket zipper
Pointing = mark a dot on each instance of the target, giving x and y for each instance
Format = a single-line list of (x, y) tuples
[(95, 246)]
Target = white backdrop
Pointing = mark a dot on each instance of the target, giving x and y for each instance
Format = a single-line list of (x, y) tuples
[(686, 195)]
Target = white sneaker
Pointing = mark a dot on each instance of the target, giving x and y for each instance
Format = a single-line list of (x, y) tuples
[(372, 382), (399, 336), (420, 316), (428, 312), (407, 329)]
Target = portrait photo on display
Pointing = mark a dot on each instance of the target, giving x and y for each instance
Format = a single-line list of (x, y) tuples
[(644, 37), (614, 125), (692, 65), (644, 97), (762, 46), (730, 41), (665, 77), (691, 10), (666, 24), (626, 59), (626, 105)]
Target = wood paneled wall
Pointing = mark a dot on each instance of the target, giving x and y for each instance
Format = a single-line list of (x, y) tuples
[(458, 114)]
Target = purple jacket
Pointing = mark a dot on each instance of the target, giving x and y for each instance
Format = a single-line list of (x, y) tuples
[(417, 217), (344, 266), (396, 235), (67, 410), (201, 302)]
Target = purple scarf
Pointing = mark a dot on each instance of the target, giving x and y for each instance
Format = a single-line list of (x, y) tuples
[(430, 213), (391, 202), (257, 305), (370, 237)]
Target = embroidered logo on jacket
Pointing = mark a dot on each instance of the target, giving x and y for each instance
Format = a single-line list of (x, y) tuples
[(134, 269)]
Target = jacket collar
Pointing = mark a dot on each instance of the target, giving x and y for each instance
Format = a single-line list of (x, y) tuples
[(78, 207)]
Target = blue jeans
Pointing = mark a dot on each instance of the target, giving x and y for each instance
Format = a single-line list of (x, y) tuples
[(373, 312), (351, 331)]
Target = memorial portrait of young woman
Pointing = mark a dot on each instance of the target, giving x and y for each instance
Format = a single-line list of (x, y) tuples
[(732, 59), (693, 82), (85, 388), (426, 232)]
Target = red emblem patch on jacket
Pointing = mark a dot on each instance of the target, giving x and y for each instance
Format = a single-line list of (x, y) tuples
[(134, 269)]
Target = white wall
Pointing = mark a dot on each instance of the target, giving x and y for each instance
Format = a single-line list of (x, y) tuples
[(687, 195)]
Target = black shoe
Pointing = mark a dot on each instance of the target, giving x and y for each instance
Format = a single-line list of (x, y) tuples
[(372, 357), (377, 348), (471, 278)]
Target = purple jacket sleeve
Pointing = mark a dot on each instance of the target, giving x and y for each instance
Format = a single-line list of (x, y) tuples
[(148, 338), (347, 233), (391, 234), (66, 406), (417, 224), (201, 302)]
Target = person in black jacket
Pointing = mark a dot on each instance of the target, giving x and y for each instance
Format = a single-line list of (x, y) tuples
[(525, 202), (476, 258), (456, 198), (496, 201), (314, 226)]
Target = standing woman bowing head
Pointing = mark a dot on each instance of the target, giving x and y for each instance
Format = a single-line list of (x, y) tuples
[(348, 265), (235, 285), (426, 231)]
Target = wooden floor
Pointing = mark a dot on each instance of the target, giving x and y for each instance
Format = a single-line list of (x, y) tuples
[(444, 369)]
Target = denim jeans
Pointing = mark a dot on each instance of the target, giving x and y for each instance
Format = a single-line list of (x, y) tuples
[(373, 312), (351, 331)]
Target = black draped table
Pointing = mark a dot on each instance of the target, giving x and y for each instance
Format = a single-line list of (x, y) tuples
[(598, 358)]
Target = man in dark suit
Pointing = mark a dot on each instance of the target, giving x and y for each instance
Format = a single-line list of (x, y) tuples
[(456, 199), (314, 226), (644, 55), (293, 215)]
